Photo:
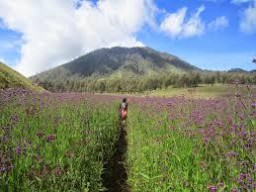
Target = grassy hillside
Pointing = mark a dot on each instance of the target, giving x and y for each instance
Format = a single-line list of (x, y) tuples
[(10, 78)]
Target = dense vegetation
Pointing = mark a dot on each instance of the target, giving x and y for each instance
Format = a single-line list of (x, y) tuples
[(54, 142), (10, 78), (61, 142), (144, 83), (132, 70), (182, 144)]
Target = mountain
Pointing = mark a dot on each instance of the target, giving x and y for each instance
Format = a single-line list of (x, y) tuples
[(10, 78), (237, 70), (117, 62)]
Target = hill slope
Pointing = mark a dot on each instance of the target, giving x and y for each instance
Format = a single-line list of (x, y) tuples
[(117, 61), (10, 78)]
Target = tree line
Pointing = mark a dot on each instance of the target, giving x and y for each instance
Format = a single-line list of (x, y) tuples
[(145, 83)]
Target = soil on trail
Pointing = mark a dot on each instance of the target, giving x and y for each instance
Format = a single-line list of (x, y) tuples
[(115, 175)]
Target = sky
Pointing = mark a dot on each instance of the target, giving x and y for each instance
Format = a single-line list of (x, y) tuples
[(210, 34)]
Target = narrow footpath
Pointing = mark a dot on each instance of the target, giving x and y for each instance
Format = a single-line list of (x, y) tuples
[(115, 176)]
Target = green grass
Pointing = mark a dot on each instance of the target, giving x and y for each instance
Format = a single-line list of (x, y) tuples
[(202, 91), (83, 138), (10, 79), (160, 160), (166, 154), (174, 144)]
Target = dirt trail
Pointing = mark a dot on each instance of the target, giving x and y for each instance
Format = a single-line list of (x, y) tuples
[(115, 176)]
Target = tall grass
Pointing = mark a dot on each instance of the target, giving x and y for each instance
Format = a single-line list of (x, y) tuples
[(60, 142), (55, 146), (181, 144)]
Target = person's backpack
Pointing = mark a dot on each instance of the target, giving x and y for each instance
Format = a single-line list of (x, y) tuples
[(124, 110), (124, 113)]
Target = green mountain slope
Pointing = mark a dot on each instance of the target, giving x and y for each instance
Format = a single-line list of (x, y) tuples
[(10, 78), (117, 62)]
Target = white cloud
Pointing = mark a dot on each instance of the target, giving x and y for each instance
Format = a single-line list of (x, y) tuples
[(173, 23), (178, 25), (55, 31), (248, 16), (219, 23), (248, 20)]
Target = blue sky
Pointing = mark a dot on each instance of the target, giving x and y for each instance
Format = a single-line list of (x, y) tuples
[(210, 34), (218, 50)]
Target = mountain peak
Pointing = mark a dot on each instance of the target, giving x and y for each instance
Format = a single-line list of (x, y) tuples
[(119, 60)]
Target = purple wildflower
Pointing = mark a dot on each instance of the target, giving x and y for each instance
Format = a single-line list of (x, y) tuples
[(19, 150), (231, 154), (169, 104), (212, 188), (50, 138), (5, 169), (14, 118)]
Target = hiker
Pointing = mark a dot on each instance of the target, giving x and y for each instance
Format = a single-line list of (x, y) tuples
[(123, 109)]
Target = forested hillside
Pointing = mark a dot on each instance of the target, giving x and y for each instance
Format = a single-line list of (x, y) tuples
[(131, 70)]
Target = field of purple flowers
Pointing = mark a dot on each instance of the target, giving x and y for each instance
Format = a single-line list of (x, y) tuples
[(61, 142), (55, 142), (184, 144)]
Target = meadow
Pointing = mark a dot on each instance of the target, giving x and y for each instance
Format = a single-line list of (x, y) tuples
[(186, 144), (54, 142), (63, 141), (205, 91)]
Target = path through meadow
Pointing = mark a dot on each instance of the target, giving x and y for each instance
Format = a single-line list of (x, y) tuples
[(115, 175)]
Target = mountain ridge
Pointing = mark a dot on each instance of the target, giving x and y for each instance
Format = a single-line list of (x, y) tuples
[(118, 60)]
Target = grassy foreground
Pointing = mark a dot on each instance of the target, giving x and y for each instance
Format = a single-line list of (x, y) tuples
[(181, 144), (61, 142), (48, 144)]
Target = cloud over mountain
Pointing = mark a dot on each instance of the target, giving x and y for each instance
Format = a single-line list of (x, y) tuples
[(57, 31)]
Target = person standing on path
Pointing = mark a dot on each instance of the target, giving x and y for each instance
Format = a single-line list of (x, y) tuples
[(123, 110)]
